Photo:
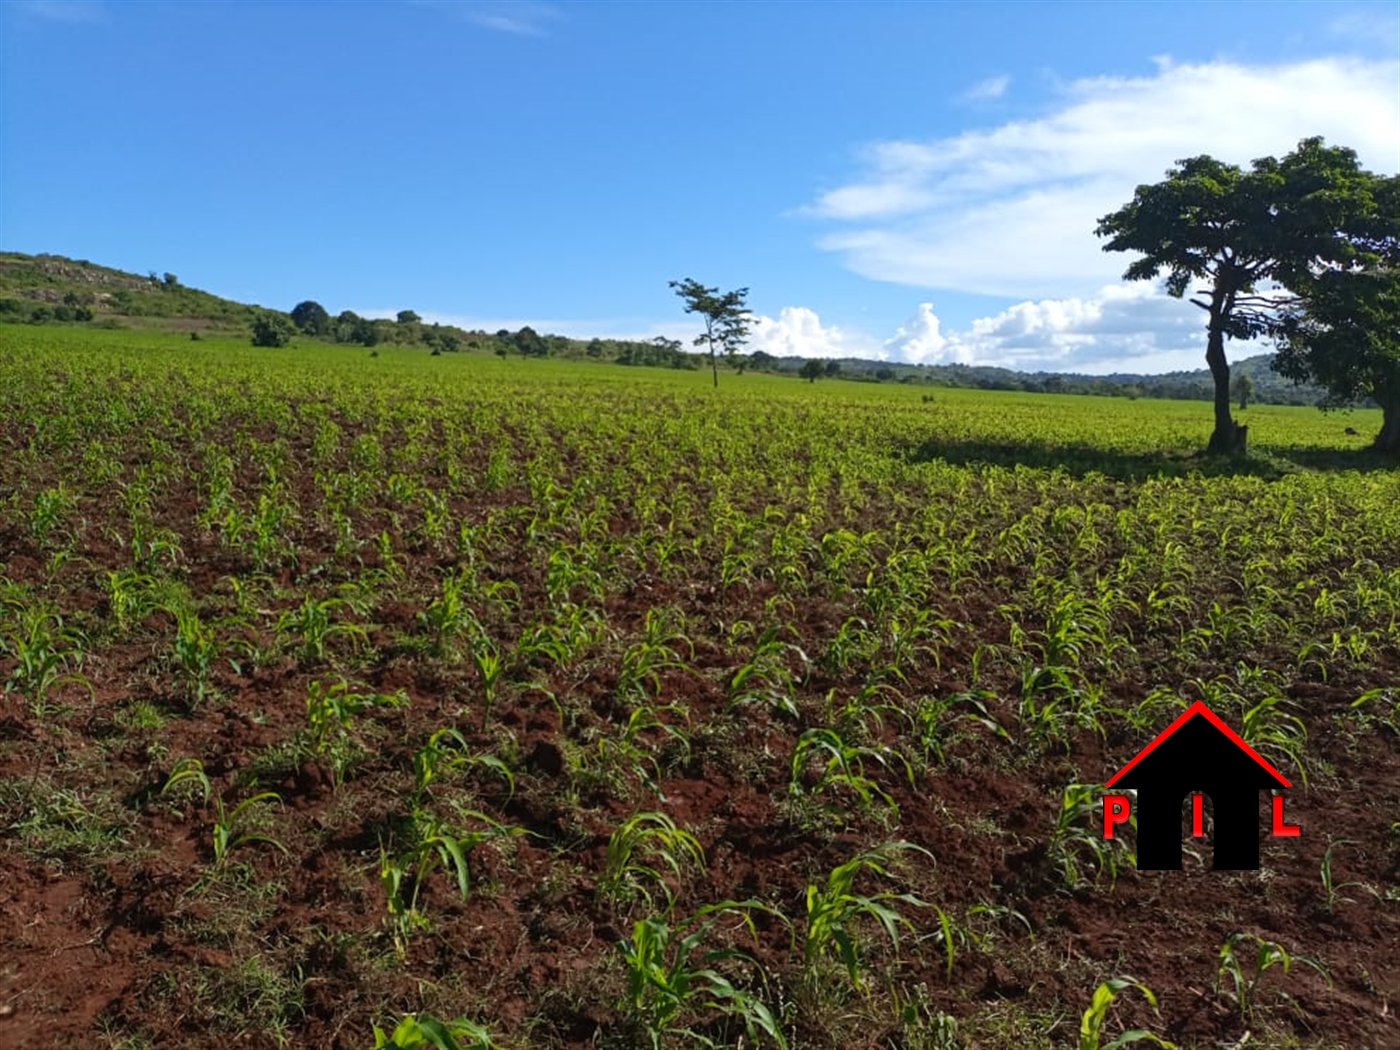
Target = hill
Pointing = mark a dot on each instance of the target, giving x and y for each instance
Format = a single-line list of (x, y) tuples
[(39, 289), (51, 288)]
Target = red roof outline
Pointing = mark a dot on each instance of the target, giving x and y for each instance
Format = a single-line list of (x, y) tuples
[(1199, 707)]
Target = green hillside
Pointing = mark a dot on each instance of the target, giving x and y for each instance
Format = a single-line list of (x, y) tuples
[(46, 289), (51, 288)]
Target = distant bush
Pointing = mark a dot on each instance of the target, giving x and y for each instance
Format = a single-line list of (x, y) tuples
[(270, 329)]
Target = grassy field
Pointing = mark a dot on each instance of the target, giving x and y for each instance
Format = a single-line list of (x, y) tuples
[(589, 706)]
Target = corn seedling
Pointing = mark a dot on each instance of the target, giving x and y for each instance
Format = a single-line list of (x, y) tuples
[(936, 718), (1075, 837), (43, 649), (330, 710), (402, 875), (835, 909), (1246, 971), (236, 828), (842, 765), (641, 850), (490, 665), (1091, 1032), (194, 651), (1331, 889), (188, 773), (448, 617), (129, 597), (644, 662), (310, 628), (673, 979), (423, 1032), (447, 751)]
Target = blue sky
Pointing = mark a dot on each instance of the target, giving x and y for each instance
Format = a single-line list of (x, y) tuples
[(909, 181)]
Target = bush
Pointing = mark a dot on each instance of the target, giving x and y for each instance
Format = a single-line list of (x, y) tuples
[(270, 329)]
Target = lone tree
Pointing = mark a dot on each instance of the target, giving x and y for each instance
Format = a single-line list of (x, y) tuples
[(812, 370), (1236, 230), (311, 317), (1343, 333), (727, 318)]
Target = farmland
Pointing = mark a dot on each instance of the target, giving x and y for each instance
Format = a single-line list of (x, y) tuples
[(600, 708)]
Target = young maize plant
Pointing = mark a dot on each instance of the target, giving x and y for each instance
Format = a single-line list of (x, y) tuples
[(1246, 971), (835, 910), (674, 980), (641, 850)]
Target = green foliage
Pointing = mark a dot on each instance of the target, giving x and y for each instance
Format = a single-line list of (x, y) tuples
[(835, 909), (1246, 971), (1091, 1024), (270, 329), (1235, 230), (423, 1032), (1344, 331), (311, 317), (673, 978), (641, 850), (726, 315)]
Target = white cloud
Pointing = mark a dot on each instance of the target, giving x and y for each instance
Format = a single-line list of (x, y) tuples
[(1120, 328), (799, 332), (920, 340), (986, 90), (1011, 210)]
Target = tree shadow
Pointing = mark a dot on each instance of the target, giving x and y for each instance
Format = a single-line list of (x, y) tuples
[(1079, 460)]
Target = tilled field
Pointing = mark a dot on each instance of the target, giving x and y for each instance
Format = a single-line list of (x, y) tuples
[(602, 710)]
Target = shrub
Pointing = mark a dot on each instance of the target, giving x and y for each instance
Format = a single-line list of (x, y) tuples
[(270, 329)]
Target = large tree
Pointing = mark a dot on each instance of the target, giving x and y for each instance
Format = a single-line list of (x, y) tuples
[(1343, 333), (311, 317), (1250, 236), (727, 318)]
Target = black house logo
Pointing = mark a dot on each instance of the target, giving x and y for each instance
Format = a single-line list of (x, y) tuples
[(1197, 755)]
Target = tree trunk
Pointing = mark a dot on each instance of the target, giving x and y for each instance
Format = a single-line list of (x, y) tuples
[(1388, 440), (1229, 437)]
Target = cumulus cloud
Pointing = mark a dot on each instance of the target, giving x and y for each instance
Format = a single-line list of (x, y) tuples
[(798, 332), (920, 340), (1119, 328), (1011, 210)]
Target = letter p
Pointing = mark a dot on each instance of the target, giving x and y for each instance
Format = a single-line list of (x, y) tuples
[(1115, 811)]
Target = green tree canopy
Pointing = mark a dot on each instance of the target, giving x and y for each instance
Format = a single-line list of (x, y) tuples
[(1343, 332), (727, 318), (311, 318), (1243, 234), (272, 329)]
